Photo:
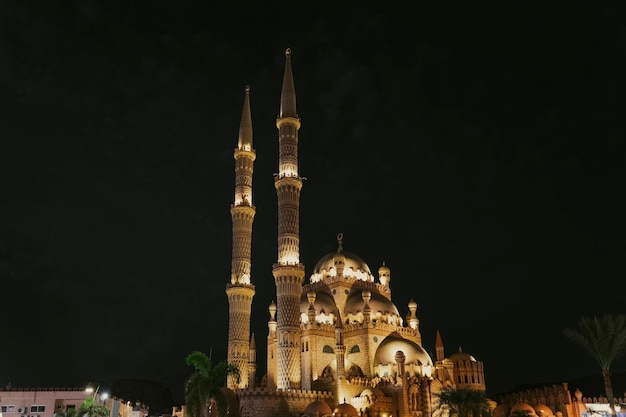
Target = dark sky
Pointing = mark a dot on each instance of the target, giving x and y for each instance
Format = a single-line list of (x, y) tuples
[(476, 148)]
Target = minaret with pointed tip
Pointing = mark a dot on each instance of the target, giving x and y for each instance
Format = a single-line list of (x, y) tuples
[(240, 290), (439, 347), (288, 271)]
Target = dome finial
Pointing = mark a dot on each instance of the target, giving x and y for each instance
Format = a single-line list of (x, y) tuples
[(340, 242)]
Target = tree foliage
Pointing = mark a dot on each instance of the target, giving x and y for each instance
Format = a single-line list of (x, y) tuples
[(206, 383), (604, 339), (460, 402), (89, 408)]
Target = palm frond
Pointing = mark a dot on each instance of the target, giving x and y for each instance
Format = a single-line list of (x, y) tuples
[(460, 402), (220, 402), (199, 360), (206, 384), (603, 338)]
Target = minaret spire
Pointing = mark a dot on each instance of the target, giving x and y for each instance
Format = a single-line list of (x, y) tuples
[(240, 290), (288, 94), (439, 347), (288, 271), (245, 126)]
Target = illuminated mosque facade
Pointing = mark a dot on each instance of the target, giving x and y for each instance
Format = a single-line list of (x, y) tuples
[(336, 343)]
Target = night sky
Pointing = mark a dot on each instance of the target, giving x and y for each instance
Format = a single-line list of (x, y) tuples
[(475, 148)]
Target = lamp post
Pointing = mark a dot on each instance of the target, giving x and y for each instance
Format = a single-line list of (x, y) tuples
[(90, 390), (93, 393)]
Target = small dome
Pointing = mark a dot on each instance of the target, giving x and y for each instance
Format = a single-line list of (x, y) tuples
[(525, 408), (543, 410), (346, 409), (366, 391), (501, 410), (377, 303), (318, 408), (372, 393), (460, 356), (324, 303), (414, 353)]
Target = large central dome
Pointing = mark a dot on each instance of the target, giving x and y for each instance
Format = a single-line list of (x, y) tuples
[(354, 266)]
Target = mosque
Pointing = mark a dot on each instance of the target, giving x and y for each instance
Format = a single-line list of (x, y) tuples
[(336, 343)]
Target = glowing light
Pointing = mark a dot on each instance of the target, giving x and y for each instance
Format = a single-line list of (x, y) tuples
[(289, 260), (288, 172)]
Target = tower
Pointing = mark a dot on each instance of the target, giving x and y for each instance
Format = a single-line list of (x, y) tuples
[(240, 290), (288, 271)]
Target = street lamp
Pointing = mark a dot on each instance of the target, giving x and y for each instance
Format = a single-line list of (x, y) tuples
[(93, 393), (89, 390)]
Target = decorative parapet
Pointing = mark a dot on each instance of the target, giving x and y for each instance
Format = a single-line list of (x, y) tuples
[(42, 389), (602, 400), (357, 284), (325, 327), (382, 326), (556, 396), (292, 393)]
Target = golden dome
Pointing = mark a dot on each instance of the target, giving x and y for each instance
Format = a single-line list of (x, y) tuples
[(523, 407), (377, 303), (324, 303), (461, 356), (346, 410), (317, 408), (354, 266), (414, 353), (543, 410), (501, 410)]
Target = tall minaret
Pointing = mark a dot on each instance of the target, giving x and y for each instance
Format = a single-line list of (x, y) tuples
[(288, 271), (439, 347), (240, 291)]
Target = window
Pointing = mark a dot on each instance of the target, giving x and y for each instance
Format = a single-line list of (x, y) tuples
[(355, 349), (7, 409), (327, 349), (37, 408)]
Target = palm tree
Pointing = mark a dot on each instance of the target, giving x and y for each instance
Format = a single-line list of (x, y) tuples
[(604, 338), (205, 383), (460, 402)]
